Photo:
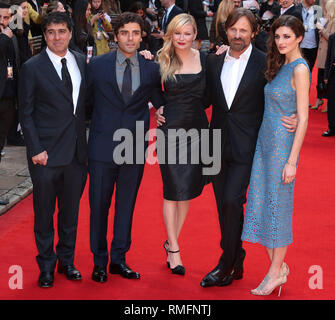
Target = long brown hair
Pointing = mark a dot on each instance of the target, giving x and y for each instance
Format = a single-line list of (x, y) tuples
[(275, 60)]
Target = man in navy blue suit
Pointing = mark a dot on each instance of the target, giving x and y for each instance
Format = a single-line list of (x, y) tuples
[(120, 85)]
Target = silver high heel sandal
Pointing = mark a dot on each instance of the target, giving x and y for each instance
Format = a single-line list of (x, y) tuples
[(259, 291)]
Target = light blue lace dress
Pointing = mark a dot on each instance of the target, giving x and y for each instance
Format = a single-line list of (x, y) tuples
[(268, 215)]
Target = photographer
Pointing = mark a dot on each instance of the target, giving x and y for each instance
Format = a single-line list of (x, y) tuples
[(8, 74), (271, 9), (100, 22), (262, 35)]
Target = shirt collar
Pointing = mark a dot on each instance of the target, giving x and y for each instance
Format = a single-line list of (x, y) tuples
[(244, 56), (168, 10), (311, 8), (282, 10), (121, 58), (56, 58)]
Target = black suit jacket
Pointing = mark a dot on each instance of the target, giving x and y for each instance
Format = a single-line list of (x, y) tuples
[(240, 124), (174, 12), (183, 4), (110, 112), (4, 43), (330, 60), (294, 11), (196, 9), (46, 112)]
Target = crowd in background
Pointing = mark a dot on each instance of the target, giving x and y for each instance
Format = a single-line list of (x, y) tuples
[(93, 35)]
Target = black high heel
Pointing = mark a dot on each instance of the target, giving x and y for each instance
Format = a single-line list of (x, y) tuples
[(178, 269), (166, 243)]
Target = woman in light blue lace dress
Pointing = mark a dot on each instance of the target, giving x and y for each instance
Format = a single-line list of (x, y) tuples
[(268, 216)]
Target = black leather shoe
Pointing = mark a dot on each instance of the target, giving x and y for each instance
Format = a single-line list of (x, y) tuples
[(217, 277), (70, 272), (46, 279), (329, 133), (238, 266), (99, 274), (123, 270)]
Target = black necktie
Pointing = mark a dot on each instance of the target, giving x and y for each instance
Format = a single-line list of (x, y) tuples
[(127, 83), (66, 78), (164, 21)]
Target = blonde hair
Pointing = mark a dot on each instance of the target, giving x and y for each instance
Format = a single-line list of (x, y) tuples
[(330, 9), (222, 13), (167, 58)]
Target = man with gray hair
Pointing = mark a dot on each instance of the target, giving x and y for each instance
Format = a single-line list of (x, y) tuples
[(235, 83)]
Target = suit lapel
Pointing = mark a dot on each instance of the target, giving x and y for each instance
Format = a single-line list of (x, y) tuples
[(114, 80), (110, 80), (81, 66), (249, 71), (218, 71), (170, 17), (52, 75)]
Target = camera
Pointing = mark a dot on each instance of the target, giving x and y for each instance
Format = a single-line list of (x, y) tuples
[(155, 30)]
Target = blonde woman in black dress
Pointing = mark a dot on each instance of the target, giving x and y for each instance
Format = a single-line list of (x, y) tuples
[(183, 76)]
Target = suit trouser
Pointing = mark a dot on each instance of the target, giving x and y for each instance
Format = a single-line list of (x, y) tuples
[(66, 185), (14, 135), (331, 103), (230, 189), (103, 177), (310, 56), (321, 76), (7, 112)]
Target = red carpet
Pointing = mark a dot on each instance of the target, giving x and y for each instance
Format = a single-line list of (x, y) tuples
[(314, 236)]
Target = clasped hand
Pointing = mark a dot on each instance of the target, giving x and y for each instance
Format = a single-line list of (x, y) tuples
[(41, 158)]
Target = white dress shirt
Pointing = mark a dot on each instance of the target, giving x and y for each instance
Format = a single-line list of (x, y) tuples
[(166, 16), (232, 72), (74, 71), (36, 5), (309, 40)]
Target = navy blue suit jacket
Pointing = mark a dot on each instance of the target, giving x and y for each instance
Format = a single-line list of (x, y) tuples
[(110, 112)]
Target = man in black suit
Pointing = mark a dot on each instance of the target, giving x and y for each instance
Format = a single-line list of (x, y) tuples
[(52, 114), (289, 8), (330, 81), (120, 83), (171, 10), (8, 74), (235, 83)]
